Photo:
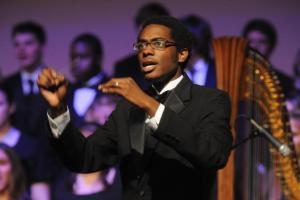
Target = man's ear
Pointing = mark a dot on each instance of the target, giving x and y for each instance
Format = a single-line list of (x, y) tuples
[(183, 55)]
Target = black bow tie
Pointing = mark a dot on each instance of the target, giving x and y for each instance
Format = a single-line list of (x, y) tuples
[(31, 87), (159, 97), (162, 97)]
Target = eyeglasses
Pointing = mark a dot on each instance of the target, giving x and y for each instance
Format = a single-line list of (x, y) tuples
[(155, 44)]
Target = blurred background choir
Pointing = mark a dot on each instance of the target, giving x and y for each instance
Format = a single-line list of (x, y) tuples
[(30, 169)]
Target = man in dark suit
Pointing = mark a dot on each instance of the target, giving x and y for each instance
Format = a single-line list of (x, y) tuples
[(262, 37), (200, 68), (29, 39), (169, 140), (86, 54)]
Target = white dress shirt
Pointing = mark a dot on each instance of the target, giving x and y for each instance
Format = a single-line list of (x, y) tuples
[(26, 76), (58, 124), (154, 121), (83, 99), (85, 96)]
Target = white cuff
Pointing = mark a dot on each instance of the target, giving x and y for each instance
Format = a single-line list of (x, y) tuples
[(153, 122), (58, 124)]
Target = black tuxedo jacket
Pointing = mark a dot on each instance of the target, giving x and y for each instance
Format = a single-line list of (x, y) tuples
[(180, 158), (30, 114)]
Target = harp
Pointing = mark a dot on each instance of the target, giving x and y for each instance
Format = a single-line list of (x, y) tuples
[(255, 91)]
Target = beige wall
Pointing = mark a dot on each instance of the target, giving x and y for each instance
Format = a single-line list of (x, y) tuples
[(111, 20)]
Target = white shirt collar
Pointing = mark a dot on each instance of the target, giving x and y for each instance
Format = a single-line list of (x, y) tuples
[(26, 76), (33, 75), (171, 85)]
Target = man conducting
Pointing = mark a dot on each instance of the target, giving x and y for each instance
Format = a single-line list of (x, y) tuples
[(168, 141)]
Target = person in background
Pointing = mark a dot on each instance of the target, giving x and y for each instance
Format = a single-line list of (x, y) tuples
[(28, 148), (12, 177), (29, 40), (86, 55), (129, 66), (262, 37), (200, 68)]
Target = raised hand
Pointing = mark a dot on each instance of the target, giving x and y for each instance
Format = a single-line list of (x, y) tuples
[(127, 88), (53, 87)]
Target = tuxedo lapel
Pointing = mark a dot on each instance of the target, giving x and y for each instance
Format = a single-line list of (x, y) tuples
[(137, 129), (179, 95), (174, 102)]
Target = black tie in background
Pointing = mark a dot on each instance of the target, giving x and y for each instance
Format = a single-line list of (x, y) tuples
[(31, 87), (30, 106)]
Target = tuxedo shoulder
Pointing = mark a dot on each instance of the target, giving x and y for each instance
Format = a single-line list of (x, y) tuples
[(12, 77), (12, 80), (207, 92), (210, 98)]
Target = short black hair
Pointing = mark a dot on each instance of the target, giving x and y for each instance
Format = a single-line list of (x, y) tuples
[(201, 30), (149, 10), (263, 26), (30, 27), (91, 40), (181, 35)]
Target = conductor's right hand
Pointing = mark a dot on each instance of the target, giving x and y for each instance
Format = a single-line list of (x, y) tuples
[(53, 87)]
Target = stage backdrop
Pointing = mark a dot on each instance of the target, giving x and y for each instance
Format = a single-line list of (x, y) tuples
[(112, 21)]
